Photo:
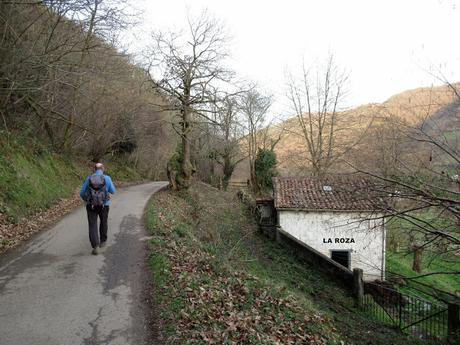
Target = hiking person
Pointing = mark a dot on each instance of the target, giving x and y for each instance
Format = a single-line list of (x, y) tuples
[(97, 191)]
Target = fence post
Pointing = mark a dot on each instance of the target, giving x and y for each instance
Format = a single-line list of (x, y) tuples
[(358, 286), (453, 321)]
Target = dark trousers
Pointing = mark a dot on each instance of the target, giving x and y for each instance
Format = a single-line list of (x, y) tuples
[(103, 213)]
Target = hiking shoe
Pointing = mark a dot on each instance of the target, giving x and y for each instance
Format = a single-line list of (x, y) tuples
[(95, 251), (102, 245)]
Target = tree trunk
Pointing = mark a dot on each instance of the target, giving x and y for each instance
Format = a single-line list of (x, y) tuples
[(186, 165), (417, 264), (228, 171), (172, 174)]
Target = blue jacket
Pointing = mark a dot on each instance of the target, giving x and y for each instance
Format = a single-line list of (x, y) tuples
[(108, 185)]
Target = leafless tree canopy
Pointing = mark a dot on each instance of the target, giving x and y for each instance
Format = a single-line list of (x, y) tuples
[(63, 80), (417, 166), (186, 67), (227, 152), (254, 107), (315, 99)]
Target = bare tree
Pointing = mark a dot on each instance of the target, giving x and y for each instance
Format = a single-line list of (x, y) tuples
[(424, 187), (184, 67), (316, 103), (48, 60), (254, 106), (227, 152), (62, 79)]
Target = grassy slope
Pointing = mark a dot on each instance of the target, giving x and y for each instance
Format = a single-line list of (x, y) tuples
[(219, 280), (401, 262), (32, 179)]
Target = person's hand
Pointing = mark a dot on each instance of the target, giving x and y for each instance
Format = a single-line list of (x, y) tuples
[(109, 196)]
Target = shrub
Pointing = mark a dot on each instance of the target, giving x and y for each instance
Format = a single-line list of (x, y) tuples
[(265, 167)]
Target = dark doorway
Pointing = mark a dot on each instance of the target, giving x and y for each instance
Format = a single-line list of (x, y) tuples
[(341, 257)]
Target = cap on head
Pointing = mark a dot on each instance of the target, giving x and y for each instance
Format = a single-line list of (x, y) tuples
[(98, 166)]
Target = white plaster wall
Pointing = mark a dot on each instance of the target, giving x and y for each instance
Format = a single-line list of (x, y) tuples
[(367, 252)]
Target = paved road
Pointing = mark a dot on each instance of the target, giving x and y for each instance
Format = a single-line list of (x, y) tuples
[(54, 292)]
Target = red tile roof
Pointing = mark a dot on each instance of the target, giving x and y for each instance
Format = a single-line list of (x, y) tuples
[(333, 193)]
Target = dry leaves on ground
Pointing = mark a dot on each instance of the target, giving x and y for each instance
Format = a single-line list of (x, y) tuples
[(12, 234), (212, 305)]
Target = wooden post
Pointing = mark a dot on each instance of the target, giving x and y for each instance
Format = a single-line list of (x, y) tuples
[(453, 322), (358, 286)]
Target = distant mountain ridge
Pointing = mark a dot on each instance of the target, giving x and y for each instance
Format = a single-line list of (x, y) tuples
[(436, 109)]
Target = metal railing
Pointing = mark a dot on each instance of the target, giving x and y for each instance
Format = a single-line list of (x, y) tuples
[(412, 314)]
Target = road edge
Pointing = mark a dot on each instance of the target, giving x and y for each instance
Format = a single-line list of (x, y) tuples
[(151, 320)]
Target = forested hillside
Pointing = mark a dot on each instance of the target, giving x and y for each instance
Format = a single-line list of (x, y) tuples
[(371, 135), (70, 96), (65, 84)]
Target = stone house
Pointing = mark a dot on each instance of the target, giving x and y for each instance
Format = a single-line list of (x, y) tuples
[(339, 216)]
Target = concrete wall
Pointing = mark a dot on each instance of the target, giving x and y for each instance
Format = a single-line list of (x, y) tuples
[(337, 272), (365, 237)]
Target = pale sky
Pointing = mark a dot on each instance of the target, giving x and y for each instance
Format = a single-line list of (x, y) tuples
[(386, 46)]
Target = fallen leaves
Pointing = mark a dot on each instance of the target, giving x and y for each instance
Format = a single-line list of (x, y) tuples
[(208, 303), (12, 234)]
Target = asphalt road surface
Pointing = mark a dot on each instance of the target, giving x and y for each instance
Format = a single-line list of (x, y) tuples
[(54, 292)]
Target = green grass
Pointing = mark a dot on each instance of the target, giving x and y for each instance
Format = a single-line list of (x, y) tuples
[(434, 258), (219, 280), (32, 178), (121, 170), (401, 263)]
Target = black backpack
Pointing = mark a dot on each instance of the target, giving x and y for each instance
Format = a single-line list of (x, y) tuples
[(97, 191)]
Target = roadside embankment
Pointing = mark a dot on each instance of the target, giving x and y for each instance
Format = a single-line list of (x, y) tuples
[(38, 187), (218, 281)]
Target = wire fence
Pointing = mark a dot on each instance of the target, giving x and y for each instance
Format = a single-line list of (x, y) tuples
[(413, 315)]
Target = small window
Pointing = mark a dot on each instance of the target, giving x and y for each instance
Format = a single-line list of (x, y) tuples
[(341, 257)]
